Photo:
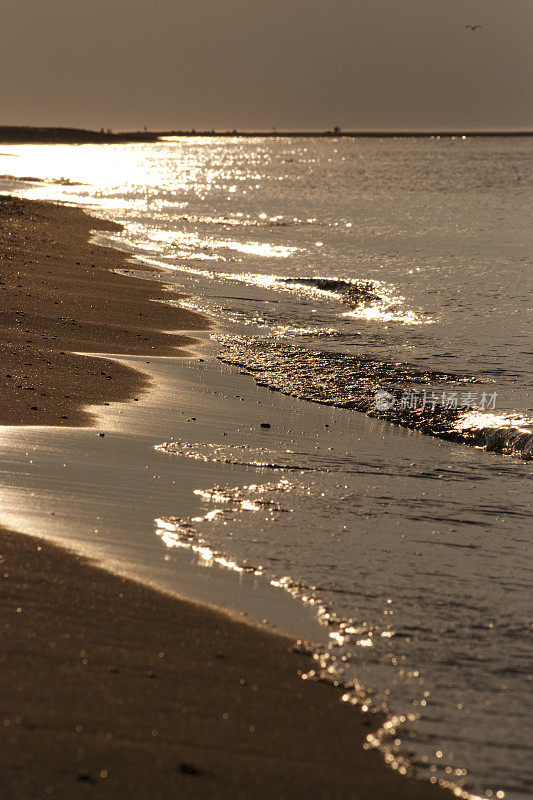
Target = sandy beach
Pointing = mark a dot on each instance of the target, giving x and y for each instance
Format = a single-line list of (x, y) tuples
[(60, 294), (110, 687)]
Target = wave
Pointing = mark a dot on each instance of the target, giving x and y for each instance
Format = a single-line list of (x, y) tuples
[(351, 292), (506, 434), (371, 300), (241, 455), (378, 389)]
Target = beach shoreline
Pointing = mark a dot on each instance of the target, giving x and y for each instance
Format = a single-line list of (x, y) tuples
[(88, 698), (109, 684), (61, 296)]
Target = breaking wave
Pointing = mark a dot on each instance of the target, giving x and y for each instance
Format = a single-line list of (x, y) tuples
[(355, 382)]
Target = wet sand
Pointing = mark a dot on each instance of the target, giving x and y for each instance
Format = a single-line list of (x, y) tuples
[(58, 295), (108, 687)]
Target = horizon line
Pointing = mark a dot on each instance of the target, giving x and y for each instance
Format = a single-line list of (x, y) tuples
[(42, 134)]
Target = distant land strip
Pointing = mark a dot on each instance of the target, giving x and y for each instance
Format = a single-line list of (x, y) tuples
[(31, 135)]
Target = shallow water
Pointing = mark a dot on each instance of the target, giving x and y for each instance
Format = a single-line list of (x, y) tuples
[(336, 269), (410, 251)]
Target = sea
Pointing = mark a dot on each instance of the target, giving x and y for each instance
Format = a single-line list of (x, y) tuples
[(386, 277)]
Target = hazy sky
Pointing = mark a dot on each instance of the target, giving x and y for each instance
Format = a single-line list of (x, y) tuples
[(306, 64)]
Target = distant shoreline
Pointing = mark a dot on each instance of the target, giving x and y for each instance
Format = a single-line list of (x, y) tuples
[(34, 135)]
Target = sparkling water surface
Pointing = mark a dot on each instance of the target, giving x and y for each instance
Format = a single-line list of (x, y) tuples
[(335, 268)]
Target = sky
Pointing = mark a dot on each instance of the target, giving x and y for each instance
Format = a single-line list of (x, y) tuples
[(249, 64)]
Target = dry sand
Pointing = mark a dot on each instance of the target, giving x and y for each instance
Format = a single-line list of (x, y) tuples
[(110, 689)]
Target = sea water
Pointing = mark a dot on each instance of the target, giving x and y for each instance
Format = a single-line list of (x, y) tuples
[(380, 276)]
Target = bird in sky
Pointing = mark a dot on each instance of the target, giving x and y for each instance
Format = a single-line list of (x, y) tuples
[(473, 27)]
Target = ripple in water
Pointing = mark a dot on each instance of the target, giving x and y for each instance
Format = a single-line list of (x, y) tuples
[(352, 382), (381, 660), (408, 602)]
